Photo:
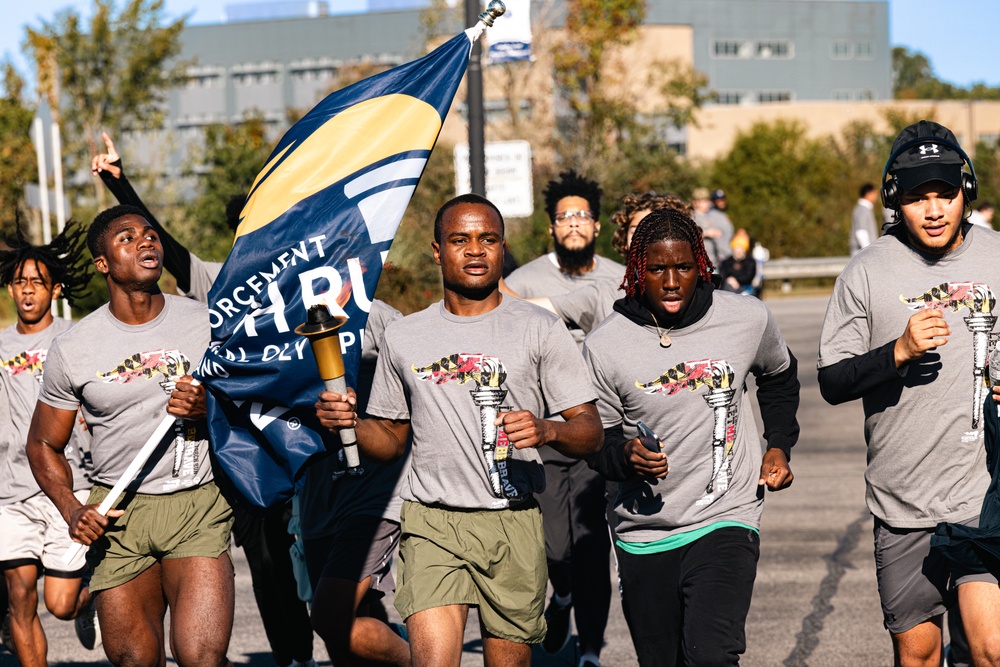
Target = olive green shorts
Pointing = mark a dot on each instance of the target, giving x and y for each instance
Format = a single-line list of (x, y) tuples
[(493, 559), (186, 524)]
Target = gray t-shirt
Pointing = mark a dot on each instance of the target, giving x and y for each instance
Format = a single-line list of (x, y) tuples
[(329, 494), (543, 277), (693, 395), (589, 305), (203, 275), (863, 228), (448, 375), (719, 249), (926, 461), (22, 357), (122, 376)]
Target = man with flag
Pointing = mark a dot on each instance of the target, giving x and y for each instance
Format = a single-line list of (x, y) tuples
[(471, 527), (166, 543)]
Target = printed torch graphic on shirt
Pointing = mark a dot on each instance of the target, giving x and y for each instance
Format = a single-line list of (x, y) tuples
[(718, 376), (489, 374), (980, 300), (172, 364)]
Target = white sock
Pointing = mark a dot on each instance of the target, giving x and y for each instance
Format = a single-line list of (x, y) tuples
[(563, 600), (591, 656)]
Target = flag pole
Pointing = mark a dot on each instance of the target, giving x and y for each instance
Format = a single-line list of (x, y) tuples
[(474, 95), (130, 472)]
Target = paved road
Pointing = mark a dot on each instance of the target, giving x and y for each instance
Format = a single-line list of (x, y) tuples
[(815, 601)]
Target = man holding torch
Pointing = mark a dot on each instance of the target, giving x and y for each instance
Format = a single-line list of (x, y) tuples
[(468, 376)]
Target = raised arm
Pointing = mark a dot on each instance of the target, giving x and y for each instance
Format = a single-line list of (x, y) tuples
[(176, 258)]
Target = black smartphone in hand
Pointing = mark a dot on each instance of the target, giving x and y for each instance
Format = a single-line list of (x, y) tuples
[(648, 438)]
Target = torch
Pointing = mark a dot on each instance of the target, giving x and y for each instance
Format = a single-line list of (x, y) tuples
[(321, 328), (719, 398)]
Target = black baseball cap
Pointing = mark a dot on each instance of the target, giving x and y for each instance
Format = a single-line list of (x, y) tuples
[(718, 194), (928, 155)]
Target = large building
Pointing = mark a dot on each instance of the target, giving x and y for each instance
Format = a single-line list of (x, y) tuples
[(754, 52)]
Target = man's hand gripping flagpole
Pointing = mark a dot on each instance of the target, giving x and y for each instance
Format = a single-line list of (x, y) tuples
[(130, 472)]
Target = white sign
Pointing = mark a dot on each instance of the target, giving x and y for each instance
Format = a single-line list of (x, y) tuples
[(33, 195), (508, 176), (510, 37)]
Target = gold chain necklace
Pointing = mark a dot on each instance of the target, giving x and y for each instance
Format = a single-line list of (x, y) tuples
[(665, 340)]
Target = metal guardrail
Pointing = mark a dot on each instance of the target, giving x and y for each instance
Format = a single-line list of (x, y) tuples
[(791, 268)]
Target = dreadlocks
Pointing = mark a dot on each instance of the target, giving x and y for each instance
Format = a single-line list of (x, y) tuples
[(571, 184), (63, 256), (632, 204), (665, 224)]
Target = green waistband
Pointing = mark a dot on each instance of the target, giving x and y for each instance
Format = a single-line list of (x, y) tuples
[(679, 540)]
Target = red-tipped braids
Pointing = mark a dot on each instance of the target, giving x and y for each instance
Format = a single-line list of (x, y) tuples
[(664, 224)]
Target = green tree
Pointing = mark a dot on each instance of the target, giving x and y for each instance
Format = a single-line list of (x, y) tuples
[(783, 188), (17, 155), (112, 71), (597, 118), (227, 166)]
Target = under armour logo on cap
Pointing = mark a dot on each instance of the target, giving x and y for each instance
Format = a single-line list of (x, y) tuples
[(929, 150)]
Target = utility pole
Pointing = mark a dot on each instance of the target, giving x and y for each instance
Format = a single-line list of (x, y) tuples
[(474, 107)]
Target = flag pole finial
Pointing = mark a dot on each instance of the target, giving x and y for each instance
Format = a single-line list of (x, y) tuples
[(494, 10)]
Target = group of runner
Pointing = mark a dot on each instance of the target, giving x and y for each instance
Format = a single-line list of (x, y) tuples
[(507, 447)]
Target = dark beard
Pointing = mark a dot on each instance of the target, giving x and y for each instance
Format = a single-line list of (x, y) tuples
[(576, 261)]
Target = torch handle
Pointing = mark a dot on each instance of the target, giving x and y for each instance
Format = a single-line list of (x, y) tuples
[(347, 436)]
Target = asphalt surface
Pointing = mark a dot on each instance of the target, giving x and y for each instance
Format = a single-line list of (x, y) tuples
[(815, 599)]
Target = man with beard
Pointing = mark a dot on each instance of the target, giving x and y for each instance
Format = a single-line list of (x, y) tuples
[(573, 503)]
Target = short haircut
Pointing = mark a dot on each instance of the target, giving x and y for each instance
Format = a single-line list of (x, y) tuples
[(63, 257), (984, 205), (464, 199), (632, 204), (571, 184), (665, 224), (865, 189), (98, 232)]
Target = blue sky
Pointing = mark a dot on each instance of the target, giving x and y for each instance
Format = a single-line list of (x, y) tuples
[(963, 53)]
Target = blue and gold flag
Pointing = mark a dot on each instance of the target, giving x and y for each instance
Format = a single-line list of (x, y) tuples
[(316, 228)]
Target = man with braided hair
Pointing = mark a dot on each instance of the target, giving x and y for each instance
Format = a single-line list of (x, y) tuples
[(35, 536), (670, 357), (573, 503), (587, 306)]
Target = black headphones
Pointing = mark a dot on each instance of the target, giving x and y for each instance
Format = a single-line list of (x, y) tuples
[(890, 188)]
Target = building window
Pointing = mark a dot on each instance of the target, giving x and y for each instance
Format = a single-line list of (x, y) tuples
[(732, 48), (255, 78), (842, 95), (774, 48), (730, 97), (990, 139), (842, 50), (864, 50), (774, 96), (313, 74), (866, 94)]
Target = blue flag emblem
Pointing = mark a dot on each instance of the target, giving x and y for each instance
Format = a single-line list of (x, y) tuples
[(316, 228)]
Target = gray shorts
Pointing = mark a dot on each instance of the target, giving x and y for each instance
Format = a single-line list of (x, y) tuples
[(360, 547), (915, 583), (35, 533)]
